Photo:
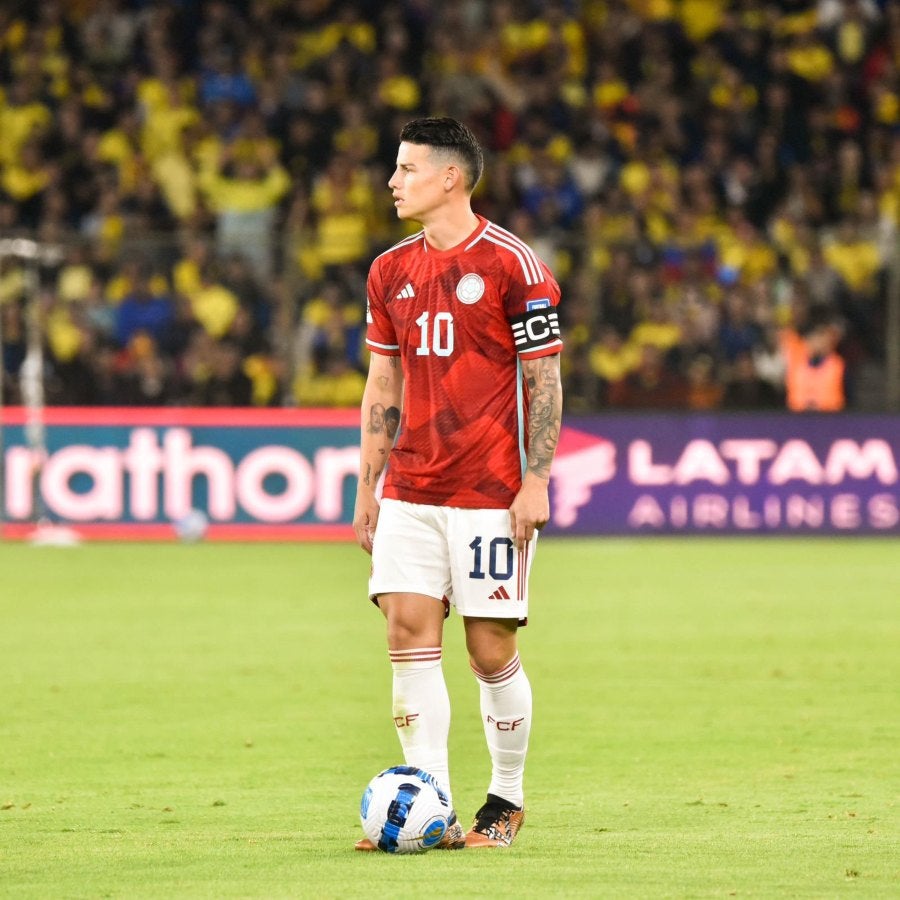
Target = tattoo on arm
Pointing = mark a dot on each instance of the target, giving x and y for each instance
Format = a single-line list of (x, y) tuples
[(380, 423), (383, 421), (391, 421), (544, 413), (376, 419)]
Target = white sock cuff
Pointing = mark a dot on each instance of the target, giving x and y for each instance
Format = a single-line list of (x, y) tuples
[(417, 658), (501, 676)]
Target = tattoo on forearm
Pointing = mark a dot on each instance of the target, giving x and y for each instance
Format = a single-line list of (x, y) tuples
[(391, 421), (376, 419), (544, 414), (383, 421), (384, 381), (372, 474)]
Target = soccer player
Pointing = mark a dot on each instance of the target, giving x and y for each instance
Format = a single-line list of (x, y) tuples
[(465, 342)]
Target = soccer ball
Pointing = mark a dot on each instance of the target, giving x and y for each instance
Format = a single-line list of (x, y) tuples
[(192, 527), (404, 810)]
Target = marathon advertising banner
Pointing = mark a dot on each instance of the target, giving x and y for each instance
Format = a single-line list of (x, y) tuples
[(239, 474), (168, 473)]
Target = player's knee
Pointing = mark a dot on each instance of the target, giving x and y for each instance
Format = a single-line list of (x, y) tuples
[(402, 635), (412, 621), (490, 660), (491, 645)]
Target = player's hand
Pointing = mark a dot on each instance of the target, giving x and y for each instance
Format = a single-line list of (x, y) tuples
[(530, 511), (365, 518)]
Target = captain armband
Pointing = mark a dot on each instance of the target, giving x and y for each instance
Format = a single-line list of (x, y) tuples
[(535, 328)]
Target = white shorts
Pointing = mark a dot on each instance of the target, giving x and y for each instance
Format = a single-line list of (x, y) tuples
[(463, 556)]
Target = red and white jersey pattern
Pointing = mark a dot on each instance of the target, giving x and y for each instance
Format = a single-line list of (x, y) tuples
[(461, 320)]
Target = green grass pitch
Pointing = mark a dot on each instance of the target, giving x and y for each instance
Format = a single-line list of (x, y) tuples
[(713, 718)]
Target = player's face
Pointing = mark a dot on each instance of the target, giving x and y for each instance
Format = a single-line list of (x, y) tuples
[(419, 183)]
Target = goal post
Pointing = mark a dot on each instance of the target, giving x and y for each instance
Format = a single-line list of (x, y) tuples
[(32, 255)]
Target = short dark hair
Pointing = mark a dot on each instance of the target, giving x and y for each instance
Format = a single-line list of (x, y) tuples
[(451, 137)]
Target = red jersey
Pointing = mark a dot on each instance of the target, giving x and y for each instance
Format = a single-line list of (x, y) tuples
[(461, 320)]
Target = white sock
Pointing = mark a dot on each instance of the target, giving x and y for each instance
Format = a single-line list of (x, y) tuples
[(506, 714), (422, 710)]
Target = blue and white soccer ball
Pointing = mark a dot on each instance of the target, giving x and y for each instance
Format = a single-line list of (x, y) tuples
[(405, 810)]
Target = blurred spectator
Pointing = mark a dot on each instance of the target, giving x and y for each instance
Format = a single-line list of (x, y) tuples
[(143, 374), (745, 389), (857, 263), (12, 348), (244, 192), (704, 390), (652, 385), (332, 324), (331, 381), (222, 80), (331, 329), (612, 359), (75, 278), (815, 372), (581, 389), (226, 383), (212, 304), (739, 331), (187, 273), (143, 311), (769, 361), (343, 203)]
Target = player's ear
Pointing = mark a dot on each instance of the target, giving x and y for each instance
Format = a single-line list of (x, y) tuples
[(451, 177)]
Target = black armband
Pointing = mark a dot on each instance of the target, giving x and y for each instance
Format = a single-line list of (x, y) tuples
[(535, 328)]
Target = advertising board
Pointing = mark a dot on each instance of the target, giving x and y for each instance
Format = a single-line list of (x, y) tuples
[(290, 474)]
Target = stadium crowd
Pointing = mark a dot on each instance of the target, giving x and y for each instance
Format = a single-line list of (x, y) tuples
[(716, 184)]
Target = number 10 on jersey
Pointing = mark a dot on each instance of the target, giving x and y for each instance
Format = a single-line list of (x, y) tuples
[(440, 339)]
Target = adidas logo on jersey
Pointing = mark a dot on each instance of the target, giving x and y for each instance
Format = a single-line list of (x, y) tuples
[(406, 293), (499, 594)]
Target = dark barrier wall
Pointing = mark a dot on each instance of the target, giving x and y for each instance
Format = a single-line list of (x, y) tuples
[(290, 474)]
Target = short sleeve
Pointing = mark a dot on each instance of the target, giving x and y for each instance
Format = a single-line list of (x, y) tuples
[(380, 334), (532, 301)]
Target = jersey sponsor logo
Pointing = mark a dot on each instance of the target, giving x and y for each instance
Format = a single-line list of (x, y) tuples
[(543, 303), (470, 288), (406, 293), (535, 328)]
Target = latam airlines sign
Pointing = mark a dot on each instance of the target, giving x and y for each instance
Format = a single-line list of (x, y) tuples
[(729, 473), (291, 474)]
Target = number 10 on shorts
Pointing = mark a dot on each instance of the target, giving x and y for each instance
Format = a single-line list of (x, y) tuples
[(499, 555)]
